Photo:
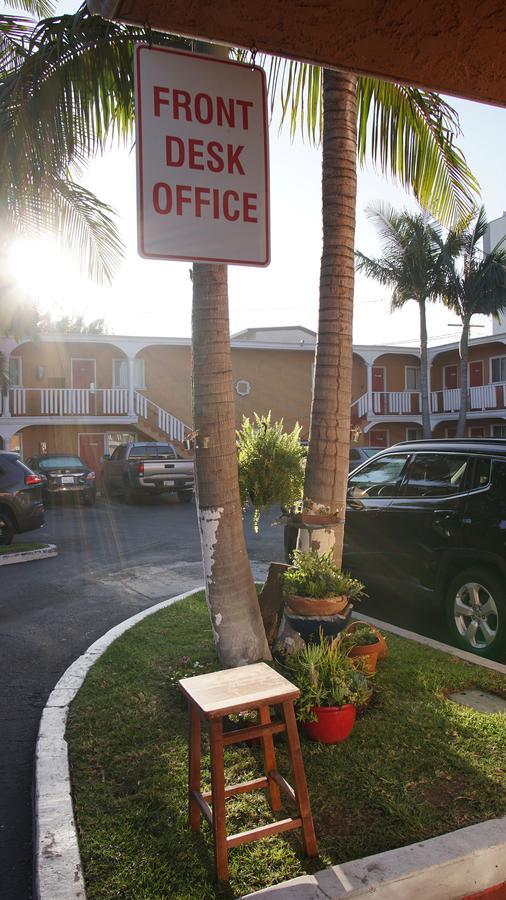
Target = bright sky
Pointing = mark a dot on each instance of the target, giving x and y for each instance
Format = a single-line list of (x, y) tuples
[(154, 298)]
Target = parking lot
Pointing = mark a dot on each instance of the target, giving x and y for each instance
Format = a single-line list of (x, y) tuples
[(114, 560)]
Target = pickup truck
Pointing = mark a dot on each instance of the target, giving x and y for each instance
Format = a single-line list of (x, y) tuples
[(144, 467)]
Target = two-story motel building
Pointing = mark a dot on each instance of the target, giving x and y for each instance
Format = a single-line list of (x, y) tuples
[(85, 394)]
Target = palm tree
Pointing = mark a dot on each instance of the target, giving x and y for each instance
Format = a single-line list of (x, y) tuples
[(411, 264), (77, 84), (408, 132), (475, 284)]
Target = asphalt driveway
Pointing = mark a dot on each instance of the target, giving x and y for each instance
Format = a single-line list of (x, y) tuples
[(114, 560)]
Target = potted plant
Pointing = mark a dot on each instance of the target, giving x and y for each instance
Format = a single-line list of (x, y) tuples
[(271, 464), (364, 641), (315, 586), (313, 515), (330, 687)]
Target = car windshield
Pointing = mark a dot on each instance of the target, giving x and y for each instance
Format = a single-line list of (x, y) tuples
[(60, 462)]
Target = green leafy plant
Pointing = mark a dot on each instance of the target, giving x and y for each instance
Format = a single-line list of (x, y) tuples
[(361, 636), (271, 464), (319, 577), (325, 676)]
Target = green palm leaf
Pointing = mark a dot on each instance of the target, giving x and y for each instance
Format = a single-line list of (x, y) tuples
[(404, 131)]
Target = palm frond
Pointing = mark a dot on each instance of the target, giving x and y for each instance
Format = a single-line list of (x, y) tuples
[(40, 8), (14, 35)]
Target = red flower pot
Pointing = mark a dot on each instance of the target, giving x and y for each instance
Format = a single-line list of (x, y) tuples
[(335, 723)]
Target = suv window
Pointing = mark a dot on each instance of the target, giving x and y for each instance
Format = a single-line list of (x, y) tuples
[(436, 475), (381, 478), (481, 473)]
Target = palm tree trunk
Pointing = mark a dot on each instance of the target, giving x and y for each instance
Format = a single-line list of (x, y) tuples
[(327, 464), (424, 372), (230, 591), (464, 390)]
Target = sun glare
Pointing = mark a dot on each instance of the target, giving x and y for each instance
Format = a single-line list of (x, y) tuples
[(47, 275)]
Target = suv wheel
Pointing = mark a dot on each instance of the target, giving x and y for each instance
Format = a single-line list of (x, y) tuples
[(476, 611), (6, 528)]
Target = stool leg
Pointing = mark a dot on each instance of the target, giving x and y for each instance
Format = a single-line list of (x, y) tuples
[(218, 800), (300, 779), (270, 760), (194, 766)]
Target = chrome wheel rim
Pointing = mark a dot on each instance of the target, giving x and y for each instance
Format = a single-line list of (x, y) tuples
[(476, 616)]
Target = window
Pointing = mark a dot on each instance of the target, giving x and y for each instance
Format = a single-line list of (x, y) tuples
[(499, 431), (499, 369), (412, 378), (413, 434), (436, 475), (380, 478), (15, 371), (481, 473), (119, 453), (120, 373), (17, 444), (152, 451)]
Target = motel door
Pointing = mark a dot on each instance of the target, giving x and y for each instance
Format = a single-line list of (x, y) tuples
[(91, 449), (476, 373), (450, 377), (378, 386), (84, 377)]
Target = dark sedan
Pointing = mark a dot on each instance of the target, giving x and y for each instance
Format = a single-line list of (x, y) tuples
[(65, 475), (21, 506)]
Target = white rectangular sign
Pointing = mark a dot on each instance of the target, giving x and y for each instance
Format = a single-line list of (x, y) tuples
[(202, 158)]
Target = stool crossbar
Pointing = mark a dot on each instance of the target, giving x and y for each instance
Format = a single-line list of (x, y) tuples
[(210, 698)]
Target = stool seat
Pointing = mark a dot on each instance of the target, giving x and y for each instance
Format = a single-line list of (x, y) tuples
[(233, 690), (210, 698)]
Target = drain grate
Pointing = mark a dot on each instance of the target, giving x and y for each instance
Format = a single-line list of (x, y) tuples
[(481, 701)]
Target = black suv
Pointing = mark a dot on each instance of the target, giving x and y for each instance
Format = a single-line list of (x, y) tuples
[(429, 518), (21, 506)]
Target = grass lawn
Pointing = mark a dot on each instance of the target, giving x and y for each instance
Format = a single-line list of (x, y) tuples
[(416, 765), (19, 548)]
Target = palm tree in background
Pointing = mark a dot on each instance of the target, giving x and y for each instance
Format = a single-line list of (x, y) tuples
[(475, 284), (412, 264), (62, 101), (407, 132)]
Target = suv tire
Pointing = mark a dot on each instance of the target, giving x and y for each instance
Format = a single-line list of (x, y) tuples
[(7, 530), (476, 611)]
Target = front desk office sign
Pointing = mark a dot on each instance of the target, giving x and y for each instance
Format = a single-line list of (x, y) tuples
[(202, 158)]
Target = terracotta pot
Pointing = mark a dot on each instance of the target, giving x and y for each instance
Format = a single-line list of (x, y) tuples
[(383, 646), (368, 652), (334, 724), (315, 521), (313, 606)]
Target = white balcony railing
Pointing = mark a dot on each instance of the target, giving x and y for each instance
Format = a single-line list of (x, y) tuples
[(107, 402), (396, 403), (481, 398)]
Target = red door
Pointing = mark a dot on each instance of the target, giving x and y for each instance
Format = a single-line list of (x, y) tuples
[(378, 386), (83, 373), (476, 373), (477, 431), (91, 448), (378, 438), (450, 377)]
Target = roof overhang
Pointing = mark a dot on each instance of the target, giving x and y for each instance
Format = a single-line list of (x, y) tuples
[(451, 46)]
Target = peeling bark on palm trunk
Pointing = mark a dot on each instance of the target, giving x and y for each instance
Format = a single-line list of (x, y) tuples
[(230, 590), (327, 464)]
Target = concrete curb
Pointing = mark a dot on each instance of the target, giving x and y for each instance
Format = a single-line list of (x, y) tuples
[(57, 862), (428, 869), (8, 559)]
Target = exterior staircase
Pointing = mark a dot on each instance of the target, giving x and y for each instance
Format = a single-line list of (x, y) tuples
[(156, 423)]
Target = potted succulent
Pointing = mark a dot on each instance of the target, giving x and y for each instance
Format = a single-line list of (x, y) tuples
[(315, 586), (314, 515), (330, 687), (361, 640)]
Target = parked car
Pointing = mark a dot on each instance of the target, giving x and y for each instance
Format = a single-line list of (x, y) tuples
[(21, 507), (64, 475), (427, 519), (358, 455), (148, 468)]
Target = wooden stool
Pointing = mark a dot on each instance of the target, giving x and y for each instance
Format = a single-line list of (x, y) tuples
[(218, 694)]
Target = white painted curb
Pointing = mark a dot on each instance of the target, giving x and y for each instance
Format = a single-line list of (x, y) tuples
[(58, 872), (8, 559), (432, 868)]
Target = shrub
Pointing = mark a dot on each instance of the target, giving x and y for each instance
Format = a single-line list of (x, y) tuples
[(325, 677), (318, 576)]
